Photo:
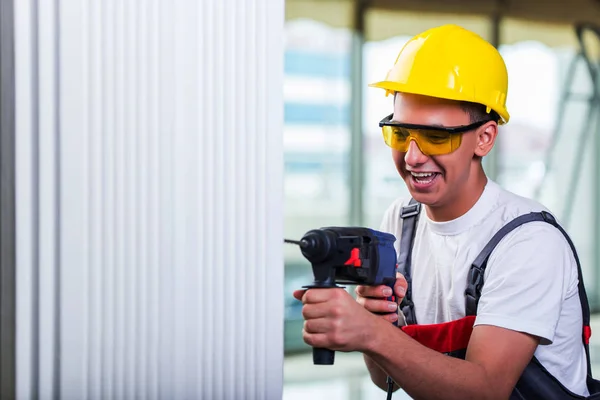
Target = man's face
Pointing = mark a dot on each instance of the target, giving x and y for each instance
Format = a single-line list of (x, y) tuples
[(438, 180)]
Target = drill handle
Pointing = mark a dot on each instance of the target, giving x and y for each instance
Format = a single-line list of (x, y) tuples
[(323, 356)]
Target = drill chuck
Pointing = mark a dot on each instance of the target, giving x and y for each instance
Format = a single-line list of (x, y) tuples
[(318, 245)]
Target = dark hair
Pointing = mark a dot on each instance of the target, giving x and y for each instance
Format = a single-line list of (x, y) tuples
[(477, 112)]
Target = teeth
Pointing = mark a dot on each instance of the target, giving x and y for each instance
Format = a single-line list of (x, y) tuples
[(423, 177), (422, 174)]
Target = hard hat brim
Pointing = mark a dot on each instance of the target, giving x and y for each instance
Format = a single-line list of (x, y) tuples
[(393, 87)]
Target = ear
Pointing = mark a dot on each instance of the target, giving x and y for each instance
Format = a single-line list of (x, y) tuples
[(486, 137)]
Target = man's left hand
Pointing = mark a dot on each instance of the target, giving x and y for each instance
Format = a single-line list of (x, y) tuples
[(334, 320)]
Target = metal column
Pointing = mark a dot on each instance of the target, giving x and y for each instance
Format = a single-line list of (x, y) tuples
[(7, 203), (356, 161), (492, 161)]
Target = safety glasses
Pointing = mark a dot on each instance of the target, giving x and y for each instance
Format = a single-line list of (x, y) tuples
[(432, 140)]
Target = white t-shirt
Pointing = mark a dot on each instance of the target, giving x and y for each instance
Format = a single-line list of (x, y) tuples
[(530, 283)]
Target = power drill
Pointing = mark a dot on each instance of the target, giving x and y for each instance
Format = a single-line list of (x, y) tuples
[(348, 255)]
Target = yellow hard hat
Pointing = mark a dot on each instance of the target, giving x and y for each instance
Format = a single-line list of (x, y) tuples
[(453, 63)]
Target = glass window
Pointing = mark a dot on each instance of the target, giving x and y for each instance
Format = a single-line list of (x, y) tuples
[(543, 156), (316, 144)]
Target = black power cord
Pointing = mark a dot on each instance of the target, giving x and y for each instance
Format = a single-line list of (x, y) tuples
[(390, 390)]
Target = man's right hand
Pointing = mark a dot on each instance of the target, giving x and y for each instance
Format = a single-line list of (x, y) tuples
[(374, 298)]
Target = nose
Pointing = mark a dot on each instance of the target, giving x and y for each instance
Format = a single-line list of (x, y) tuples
[(414, 157)]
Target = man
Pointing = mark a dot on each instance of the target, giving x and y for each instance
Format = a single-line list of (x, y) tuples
[(529, 305)]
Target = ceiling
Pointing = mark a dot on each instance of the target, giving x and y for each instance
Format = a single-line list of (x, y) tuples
[(548, 21)]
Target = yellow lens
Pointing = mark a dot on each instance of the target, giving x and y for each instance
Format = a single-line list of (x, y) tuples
[(396, 138), (430, 142)]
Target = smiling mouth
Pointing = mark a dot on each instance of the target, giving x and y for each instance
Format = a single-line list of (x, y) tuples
[(424, 177)]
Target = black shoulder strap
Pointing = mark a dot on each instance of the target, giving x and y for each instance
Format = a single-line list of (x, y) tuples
[(475, 278), (409, 215)]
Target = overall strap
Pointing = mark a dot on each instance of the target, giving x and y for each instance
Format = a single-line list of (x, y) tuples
[(475, 278), (409, 215)]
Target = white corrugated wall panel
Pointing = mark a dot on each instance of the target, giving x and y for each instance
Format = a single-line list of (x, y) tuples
[(149, 199)]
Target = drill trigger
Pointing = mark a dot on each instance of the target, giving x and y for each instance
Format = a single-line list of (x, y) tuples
[(354, 259)]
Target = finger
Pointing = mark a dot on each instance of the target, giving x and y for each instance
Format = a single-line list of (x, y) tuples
[(325, 340), (319, 325), (299, 293), (393, 317), (315, 296), (400, 286), (313, 311), (378, 306), (318, 340), (373, 291)]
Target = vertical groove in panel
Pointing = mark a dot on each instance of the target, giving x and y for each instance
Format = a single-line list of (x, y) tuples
[(111, 226), (203, 244), (35, 197), (86, 192), (89, 80), (97, 244), (120, 230), (244, 227), (106, 294), (178, 164), (192, 121), (142, 304), (101, 198), (262, 179), (219, 192), (146, 201), (137, 233), (252, 77), (255, 311), (212, 239), (89, 184), (233, 221), (100, 229), (154, 211), (165, 321), (108, 166), (243, 233), (202, 314), (132, 131), (128, 225), (57, 206), (230, 214), (113, 234), (141, 215)]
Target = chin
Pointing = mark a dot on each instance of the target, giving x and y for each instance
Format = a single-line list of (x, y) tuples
[(427, 196), (428, 199)]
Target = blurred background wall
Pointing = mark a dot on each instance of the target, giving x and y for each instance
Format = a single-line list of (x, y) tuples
[(339, 172)]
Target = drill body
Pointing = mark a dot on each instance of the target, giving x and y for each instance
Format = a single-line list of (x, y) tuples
[(348, 255)]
